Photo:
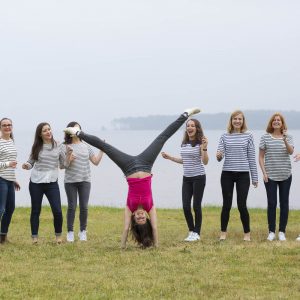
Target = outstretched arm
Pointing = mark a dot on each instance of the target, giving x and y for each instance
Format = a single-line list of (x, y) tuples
[(127, 219), (175, 159), (153, 220)]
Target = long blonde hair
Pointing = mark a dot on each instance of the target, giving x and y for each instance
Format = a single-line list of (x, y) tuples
[(230, 128)]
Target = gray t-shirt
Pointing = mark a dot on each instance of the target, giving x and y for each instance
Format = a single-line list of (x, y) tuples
[(277, 159), (79, 169)]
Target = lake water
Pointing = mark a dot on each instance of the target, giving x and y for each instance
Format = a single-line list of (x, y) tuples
[(109, 187)]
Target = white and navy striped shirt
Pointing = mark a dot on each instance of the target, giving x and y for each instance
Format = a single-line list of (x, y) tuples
[(8, 153), (192, 161), (79, 169), (239, 152), (277, 159), (45, 169)]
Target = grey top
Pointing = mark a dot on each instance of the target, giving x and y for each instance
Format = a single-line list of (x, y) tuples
[(45, 169), (79, 169), (277, 159)]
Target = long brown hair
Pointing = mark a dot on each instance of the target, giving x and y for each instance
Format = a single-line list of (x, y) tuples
[(11, 134), (38, 141), (199, 134), (234, 114), (270, 129), (142, 233)]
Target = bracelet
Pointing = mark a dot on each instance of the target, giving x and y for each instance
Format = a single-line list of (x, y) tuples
[(204, 149)]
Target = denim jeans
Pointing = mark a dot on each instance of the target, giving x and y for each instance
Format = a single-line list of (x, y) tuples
[(193, 187), (284, 191), (143, 162), (242, 181), (37, 191), (7, 204), (82, 189)]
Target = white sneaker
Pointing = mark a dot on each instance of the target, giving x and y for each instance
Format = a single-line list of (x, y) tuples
[(192, 111), (281, 236), (82, 235), (196, 236), (187, 239), (271, 236), (298, 238), (70, 236), (72, 130)]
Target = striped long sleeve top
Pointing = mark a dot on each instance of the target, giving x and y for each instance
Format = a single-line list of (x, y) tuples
[(239, 152), (45, 169), (8, 153)]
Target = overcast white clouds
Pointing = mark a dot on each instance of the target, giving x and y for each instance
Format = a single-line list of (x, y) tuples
[(93, 61)]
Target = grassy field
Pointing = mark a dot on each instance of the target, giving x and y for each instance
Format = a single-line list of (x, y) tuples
[(99, 269)]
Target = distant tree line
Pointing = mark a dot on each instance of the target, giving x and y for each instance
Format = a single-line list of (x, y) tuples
[(256, 119)]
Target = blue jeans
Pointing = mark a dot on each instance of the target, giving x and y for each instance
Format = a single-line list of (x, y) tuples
[(284, 192), (37, 191), (7, 203)]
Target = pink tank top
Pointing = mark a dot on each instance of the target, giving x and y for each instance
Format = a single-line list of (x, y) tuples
[(139, 193)]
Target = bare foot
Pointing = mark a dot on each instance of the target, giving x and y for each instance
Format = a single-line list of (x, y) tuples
[(247, 237), (223, 235)]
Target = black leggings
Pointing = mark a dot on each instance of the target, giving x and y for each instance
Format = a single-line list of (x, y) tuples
[(193, 187), (144, 161), (242, 181)]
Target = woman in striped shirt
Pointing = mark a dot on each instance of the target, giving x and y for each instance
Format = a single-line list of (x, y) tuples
[(78, 180), (45, 158), (8, 183), (193, 157), (237, 146), (275, 149)]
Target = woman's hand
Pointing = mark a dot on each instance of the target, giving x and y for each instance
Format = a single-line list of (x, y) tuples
[(219, 155), (204, 142), (17, 186), (255, 184), (26, 166), (165, 155), (297, 157)]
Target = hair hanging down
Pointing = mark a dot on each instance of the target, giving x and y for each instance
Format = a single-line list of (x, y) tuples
[(38, 141), (199, 134), (142, 234)]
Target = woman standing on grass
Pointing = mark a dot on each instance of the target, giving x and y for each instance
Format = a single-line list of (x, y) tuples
[(193, 157), (45, 158), (140, 212), (8, 183), (237, 146), (78, 180), (275, 149)]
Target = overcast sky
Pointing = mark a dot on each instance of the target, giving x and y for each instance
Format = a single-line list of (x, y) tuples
[(93, 61)]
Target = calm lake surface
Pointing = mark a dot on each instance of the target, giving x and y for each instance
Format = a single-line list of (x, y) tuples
[(109, 187)]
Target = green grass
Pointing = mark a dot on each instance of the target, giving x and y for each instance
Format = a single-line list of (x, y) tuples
[(99, 269)]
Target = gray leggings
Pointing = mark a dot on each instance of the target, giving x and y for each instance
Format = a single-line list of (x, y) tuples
[(144, 161), (83, 190)]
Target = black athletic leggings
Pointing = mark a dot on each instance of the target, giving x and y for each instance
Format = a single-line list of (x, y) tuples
[(143, 162), (242, 181), (193, 187)]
